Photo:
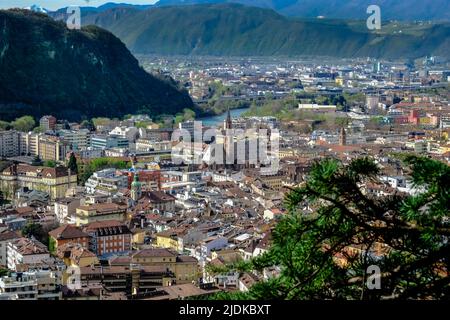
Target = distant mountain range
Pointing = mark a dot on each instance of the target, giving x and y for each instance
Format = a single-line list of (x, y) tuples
[(339, 9), (237, 30), (46, 68), (410, 10)]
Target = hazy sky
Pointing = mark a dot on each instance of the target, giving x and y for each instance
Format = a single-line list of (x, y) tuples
[(56, 4)]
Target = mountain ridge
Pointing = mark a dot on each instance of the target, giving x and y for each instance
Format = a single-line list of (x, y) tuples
[(46, 68), (237, 30)]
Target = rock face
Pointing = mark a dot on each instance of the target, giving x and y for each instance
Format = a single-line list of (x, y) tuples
[(46, 68)]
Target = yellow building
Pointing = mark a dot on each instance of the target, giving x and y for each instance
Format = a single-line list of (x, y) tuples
[(51, 148), (54, 181), (100, 212), (169, 239), (184, 267), (138, 236)]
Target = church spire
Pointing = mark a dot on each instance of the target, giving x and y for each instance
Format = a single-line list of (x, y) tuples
[(228, 123)]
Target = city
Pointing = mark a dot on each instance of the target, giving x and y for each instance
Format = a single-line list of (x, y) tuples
[(207, 202)]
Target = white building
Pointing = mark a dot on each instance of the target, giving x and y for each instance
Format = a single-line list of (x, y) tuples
[(5, 237), (25, 251), (106, 182), (31, 285), (66, 208), (129, 133), (78, 139), (212, 243)]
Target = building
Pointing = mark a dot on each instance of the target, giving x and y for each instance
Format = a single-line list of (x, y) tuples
[(133, 280), (54, 181), (190, 127), (6, 236), (108, 141), (47, 123), (32, 285), (25, 251), (77, 139), (100, 212), (108, 236), (162, 201), (29, 143), (316, 108), (184, 267), (129, 133), (106, 182), (52, 148), (65, 209), (9, 144), (67, 234), (74, 254)]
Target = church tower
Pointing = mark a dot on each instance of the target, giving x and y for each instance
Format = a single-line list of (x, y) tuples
[(136, 191), (228, 123)]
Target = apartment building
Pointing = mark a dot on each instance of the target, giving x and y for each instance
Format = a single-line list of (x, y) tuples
[(47, 123), (100, 212), (77, 139), (6, 236), (67, 234), (52, 148), (31, 285), (25, 251), (9, 143), (106, 182), (108, 236)]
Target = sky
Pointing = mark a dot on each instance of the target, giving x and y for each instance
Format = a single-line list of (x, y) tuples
[(56, 4)]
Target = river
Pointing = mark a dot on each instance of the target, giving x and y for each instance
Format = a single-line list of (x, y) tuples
[(218, 119)]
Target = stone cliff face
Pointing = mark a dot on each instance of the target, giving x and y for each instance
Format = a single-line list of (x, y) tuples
[(46, 68)]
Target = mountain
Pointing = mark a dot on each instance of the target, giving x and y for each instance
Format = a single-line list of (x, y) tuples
[(46, 68), (237, 30), (337, 9)]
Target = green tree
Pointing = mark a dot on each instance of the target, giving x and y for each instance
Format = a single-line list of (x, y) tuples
[(37, 161), (3, 272), (25, 123), (50, 163), (87, 124), (72, 165), (411, 230), (5, 125), (37, 231)]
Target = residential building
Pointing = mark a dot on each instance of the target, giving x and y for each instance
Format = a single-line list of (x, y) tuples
[(67, 234), (48, 123), (32, 285), (9, 143), (25, 251), (6, 236), (77, 139), (184, 267), (65, 209), (108, 236), (100, 212), (106, 181)]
